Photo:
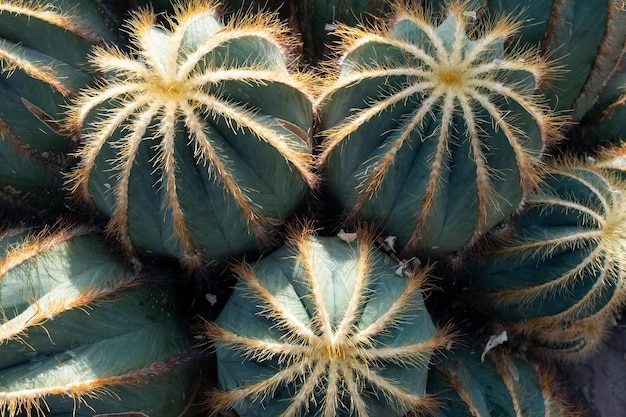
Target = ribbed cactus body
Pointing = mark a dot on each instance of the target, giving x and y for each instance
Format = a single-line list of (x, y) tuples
[(197, 146), (317, 19), (562, 260), (604, 123), (80, 335), (587, 54), (497, 385), (326, 328), (43, 50), (432, 134)]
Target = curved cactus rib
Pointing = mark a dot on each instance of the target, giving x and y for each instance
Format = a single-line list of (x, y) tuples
[(49, 13), (11, 59)]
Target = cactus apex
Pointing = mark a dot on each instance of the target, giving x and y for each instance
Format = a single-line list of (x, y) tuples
[(449, 70), (175, 79)]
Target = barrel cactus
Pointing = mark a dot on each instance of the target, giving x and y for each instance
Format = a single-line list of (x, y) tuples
[(197, 146), (324, 327), (81, 334), (435, 132), (43, 48), (496, 384), (562, 259)]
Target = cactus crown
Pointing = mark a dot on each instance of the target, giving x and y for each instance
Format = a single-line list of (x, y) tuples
[(452, 71), (176, 80), (339, 336)]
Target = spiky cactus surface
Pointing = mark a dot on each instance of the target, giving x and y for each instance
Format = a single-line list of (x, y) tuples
[(83, 335), (323, 327), (43, 49), (496, 384), (562, 259), (434, 129), (434, 124), (198, 145)]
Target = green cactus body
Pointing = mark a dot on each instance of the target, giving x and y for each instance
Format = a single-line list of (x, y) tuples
[(43, 49), (500, 385), (587, 54), (81, 336), (432, 135), (571, 342), (317, 19), (326, 328), (604, 124), (562, 260), (198, 146)]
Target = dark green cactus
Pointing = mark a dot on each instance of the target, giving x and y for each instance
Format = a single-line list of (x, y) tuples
[(587, 53), (326, 328), (497, 384), (562, 259), (198, 145), (318, 18), (434, 135), (81, 335), (604, 124), (43, 49)]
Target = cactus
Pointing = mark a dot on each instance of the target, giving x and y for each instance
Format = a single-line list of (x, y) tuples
[(80, 335), (604, 123), (197, 146), (193, 143), (496, 384), (587, 53), (433, 135), (317, 18), (562, 259), (43, 48), (323, 327)]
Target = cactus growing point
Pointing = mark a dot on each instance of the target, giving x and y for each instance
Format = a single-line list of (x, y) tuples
[(187, 127), (435, 131), (324, 328)]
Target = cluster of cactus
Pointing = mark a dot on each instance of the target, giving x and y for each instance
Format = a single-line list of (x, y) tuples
[(221, 221)]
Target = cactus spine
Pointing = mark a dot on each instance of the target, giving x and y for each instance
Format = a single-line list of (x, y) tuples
[(179, 137), (431, 134), (324, 327)]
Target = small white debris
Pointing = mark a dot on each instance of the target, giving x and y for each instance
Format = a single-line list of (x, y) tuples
[(330, 26), (211, 298), (470, 14), (402, 267), (388, 243), (435, 247), (107, 185), (493, 342), (346, 237)]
